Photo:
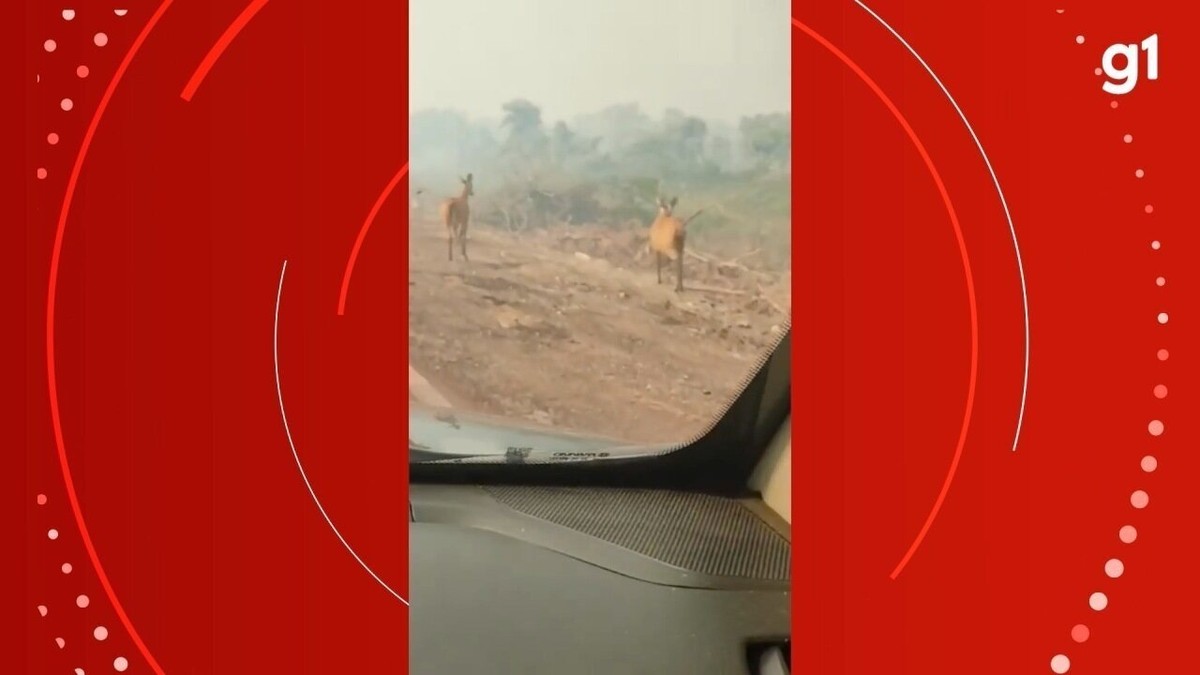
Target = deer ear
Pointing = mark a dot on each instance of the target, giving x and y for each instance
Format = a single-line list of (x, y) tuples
[(470, 177), (674, 201)]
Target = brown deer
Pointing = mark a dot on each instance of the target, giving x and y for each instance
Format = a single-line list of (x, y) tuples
[(455, 213), (667, 236)]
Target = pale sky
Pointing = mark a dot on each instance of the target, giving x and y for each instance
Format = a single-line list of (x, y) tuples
[(719, 59)]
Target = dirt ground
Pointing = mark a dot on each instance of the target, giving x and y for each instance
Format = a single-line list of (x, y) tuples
[(568, 329)]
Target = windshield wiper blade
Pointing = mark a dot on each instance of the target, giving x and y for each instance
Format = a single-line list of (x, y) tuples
[(418, 452), (529, 456)]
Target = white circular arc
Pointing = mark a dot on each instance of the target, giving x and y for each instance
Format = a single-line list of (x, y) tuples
[(287, 429), (1003, 202)]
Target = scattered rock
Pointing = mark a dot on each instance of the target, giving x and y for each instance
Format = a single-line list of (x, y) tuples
[(508, 317)]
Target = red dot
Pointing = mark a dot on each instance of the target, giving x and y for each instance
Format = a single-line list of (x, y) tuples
[(41, 174), (82, 71), (1080, 633), (41, 500), (1160, 391), (1149, 208), (52, 138), (1163, 355)]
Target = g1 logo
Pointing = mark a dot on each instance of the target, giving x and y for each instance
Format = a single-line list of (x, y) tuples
[(1122, 80)]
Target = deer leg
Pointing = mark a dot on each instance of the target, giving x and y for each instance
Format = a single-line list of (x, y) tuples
[(450, 243), (679, 273), (462, 242)]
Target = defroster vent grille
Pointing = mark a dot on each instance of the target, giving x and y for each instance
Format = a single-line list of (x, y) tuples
[(696, 532)]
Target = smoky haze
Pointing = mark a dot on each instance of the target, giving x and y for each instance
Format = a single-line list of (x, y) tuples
[(539, 297), (717, 59), (583, 113)]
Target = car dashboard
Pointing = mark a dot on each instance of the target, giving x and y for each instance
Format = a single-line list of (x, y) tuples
[(561, 580)]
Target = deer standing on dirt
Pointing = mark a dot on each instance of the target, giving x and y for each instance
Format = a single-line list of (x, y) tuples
[(667, 236), (455, 213)]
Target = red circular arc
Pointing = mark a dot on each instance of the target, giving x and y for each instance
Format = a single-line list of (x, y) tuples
[(362, 234), (970, 280), (219, 47), (51, 296)]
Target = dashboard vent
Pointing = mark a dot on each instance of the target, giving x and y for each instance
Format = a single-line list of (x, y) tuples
[(695, 532)]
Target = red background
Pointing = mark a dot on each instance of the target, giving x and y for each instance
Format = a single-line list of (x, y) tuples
[(883, 342), (184, 214)]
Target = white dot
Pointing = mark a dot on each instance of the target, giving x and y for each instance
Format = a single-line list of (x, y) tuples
[(120, 12), (120, 664), (79, 671), (68, 14), (1078, 39), (53, 534), (1098, 601), (100, 633), (1114, 568), (1140, 499), (82, 601), (1128, 534), (1060, 664), (60, 642), (50, 45), (1155, 245), (1139, 173), (100, 39), (66, 568), (43, 610), (1161, 281), (1128, 138), (1162, 317), (67, 104), (1149, 463)]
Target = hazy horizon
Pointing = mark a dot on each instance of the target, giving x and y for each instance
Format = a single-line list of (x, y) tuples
[(573, 59)]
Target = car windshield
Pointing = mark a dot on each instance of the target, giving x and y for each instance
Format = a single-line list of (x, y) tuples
[(599, 221)]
